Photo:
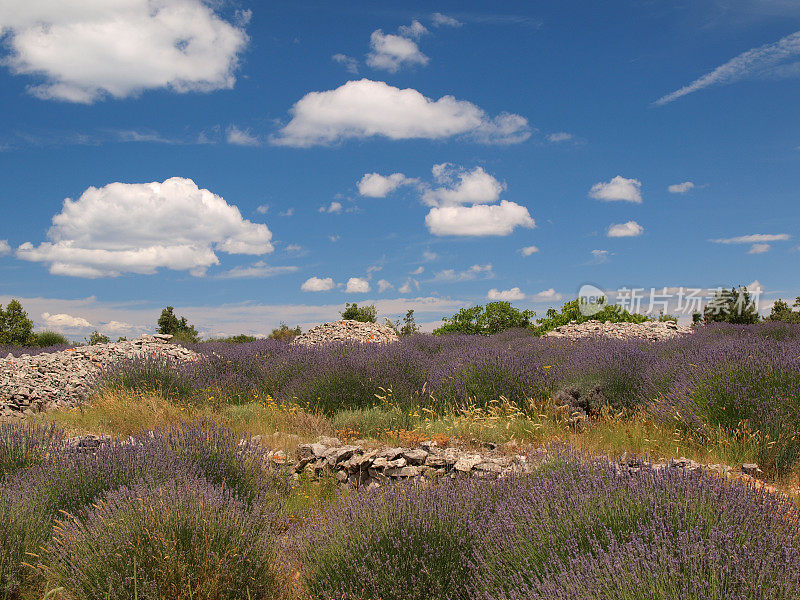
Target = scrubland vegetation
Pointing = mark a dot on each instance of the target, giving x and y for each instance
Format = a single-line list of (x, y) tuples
[(187, 510)]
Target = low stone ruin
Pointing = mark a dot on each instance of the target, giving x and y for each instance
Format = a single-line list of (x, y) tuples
[(63, 379), (358, 467), (649, 330), (347, 331)]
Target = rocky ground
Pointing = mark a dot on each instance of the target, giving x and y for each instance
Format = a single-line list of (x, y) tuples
[(59, 379), (649, 330), (347, 331)]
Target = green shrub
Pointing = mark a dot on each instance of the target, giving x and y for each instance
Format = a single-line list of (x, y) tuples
[(43, 339), (496, 317), (365, 314)]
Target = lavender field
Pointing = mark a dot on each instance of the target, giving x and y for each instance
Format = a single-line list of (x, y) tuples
[(194, 513), (197, 510), (736, 387)]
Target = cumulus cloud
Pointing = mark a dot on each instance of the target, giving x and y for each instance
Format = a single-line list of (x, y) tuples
[(776, 60), (365, 108), (62, 322), (462, 187), (754, 238), (140, 227), (508, 295), (629, 229), (317, 284), (357, 285), (240, 137), (348, 62), (600, 256), (528, 250), (680, 188), (262, 209), (619, 188), (390, 52), (84, 50), (440, 20), (474, 272), (333, 207), (759, 248), (375, 185), (418, 271), (547, 295), (257, 270), (5, 248), (416, 30), (478, 220), (384, 285)]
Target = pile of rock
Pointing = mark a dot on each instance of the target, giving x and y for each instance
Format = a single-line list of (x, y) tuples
[(347, 331), (59, 379), (359, 467), (355, 466), (649, 330)]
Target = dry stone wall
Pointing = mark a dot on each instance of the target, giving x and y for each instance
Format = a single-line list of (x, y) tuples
[(61, 379)]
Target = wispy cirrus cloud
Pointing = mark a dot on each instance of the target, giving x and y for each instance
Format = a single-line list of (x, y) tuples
[(775, 60)]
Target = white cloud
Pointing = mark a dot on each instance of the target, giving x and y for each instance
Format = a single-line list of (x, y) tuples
[(365, 108), (390, 52), (418, 271), (759, 248), (439, 20), (548, 295), (258, 269), (87, 49), (754, 238), (262, 209), (293, 248), (629, 229), (118, 327), (375, 185), (409, 286), (429, 256), (561, 136), (600, 256), (478, 220), (240, 137), (474, 272), (680, 188), (462, 187), (61, 322), (140, 227), (384, 285), (317, 284), (333, 207), (357, 285), (287, 213), (334, 237), (528, 250), (764, 61), (5, 248), (416, 30), (619, 188), (348, 62), (508, 295)]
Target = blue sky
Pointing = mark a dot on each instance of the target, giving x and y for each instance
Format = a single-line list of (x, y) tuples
[(251, 163)]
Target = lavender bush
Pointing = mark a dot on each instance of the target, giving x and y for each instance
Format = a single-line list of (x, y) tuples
[(182, 539), (25, 445), (70, 481), (574, 530)]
